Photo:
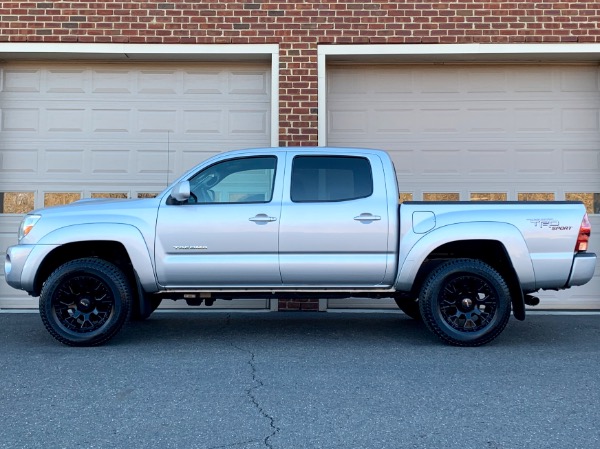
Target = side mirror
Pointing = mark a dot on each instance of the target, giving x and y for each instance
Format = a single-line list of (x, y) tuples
[(181, 191)]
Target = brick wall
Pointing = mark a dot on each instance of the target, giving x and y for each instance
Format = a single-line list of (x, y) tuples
[(298, 27)]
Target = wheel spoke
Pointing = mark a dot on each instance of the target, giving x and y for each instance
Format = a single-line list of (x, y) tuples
[(83, 303), (468, 303)]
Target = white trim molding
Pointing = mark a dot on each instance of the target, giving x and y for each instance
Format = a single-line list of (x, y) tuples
[(11, 51), (443, 53)]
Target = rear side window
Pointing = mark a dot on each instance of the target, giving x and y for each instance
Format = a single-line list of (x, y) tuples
[(330, 178)]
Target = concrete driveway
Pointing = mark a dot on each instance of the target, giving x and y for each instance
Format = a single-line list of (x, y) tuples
[(301, 380)]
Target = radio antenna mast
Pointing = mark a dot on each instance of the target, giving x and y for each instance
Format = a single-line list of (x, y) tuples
[(168, 154)]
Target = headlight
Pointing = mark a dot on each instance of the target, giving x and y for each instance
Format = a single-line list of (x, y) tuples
[(27, 225)]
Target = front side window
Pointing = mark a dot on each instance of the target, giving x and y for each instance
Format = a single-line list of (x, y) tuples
[(330, 178), (244, 180)]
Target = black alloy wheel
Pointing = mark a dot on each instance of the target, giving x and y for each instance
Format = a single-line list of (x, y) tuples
[(85, 302), (465, 302)]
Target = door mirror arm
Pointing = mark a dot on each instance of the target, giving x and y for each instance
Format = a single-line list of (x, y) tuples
[(181, 191)]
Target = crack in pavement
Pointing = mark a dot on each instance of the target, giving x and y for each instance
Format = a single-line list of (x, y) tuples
[(252, 397), (254, 400)]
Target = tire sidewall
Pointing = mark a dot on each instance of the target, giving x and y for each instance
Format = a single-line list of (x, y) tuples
[(429, 301), (115, 282)]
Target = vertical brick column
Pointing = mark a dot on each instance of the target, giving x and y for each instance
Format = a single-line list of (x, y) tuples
[(298, 93)]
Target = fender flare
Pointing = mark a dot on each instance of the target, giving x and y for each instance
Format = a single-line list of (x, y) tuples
[(506, 234), (129, 236)]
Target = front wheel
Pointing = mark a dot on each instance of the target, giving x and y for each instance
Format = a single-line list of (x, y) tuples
[(85, 302), (465, 302)]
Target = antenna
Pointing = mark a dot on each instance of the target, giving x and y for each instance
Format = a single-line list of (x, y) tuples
[(168, 154)]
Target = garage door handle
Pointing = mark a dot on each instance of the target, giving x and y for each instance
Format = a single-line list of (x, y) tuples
[(262, 218), (367, 217)]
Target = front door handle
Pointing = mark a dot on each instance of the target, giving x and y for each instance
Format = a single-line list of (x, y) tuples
[(367, 217), (262, 218)]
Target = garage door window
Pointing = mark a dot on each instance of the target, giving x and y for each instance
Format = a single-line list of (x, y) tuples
[(330, 178), (60, 198), (488, 196), (405, 196), (537, 196), (16, 202), (446, 196), (591, 200), (109, 195)]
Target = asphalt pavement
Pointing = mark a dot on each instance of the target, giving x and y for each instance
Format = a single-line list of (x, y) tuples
[(301, 380)]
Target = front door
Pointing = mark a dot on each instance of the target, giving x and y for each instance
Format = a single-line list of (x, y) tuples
[(226, 234)]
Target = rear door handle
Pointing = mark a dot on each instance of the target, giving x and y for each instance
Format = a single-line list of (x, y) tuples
[(262, 218), (367, 217)]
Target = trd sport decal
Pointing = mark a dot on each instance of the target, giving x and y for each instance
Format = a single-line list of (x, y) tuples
[(550, 223)]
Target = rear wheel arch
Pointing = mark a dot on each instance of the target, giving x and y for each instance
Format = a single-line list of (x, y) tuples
[(491, 252)]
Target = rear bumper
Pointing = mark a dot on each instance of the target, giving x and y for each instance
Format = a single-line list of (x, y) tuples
[(582, 270)]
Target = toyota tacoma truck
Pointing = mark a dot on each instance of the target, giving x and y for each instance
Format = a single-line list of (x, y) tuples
[(296, 222)]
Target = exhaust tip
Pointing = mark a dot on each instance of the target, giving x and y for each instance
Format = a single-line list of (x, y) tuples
[(532, 300)]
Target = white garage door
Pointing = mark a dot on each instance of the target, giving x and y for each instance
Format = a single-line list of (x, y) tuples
[(78, 130), (485, 132)]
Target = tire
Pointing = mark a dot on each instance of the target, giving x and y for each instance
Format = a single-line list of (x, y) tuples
[(465, 302), (85, 302), (410, 307)]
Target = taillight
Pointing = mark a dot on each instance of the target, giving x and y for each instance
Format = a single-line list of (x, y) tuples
[(584, 234)]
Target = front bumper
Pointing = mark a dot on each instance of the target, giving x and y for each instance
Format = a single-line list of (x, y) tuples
[(582, 270), (22, 263), (16, 256)]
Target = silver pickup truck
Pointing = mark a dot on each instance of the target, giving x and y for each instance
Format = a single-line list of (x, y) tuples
[(296, 222)]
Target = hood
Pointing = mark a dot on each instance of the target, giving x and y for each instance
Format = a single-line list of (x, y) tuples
[(98, 205)]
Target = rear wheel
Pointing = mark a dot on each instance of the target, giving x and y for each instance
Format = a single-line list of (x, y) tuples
[(465, 302), (85, 302)]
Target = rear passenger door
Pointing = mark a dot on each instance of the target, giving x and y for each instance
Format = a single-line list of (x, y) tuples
[(334, 223)]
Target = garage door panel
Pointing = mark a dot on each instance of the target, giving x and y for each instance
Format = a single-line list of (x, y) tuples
[(73, 130), (248, 83), (579, 161), (18, 161), (578, 79), (8, 233), (477, 131), (21, 80), (580, 120), (536, 160), (19, 120), (61, 162), (488, 161)]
